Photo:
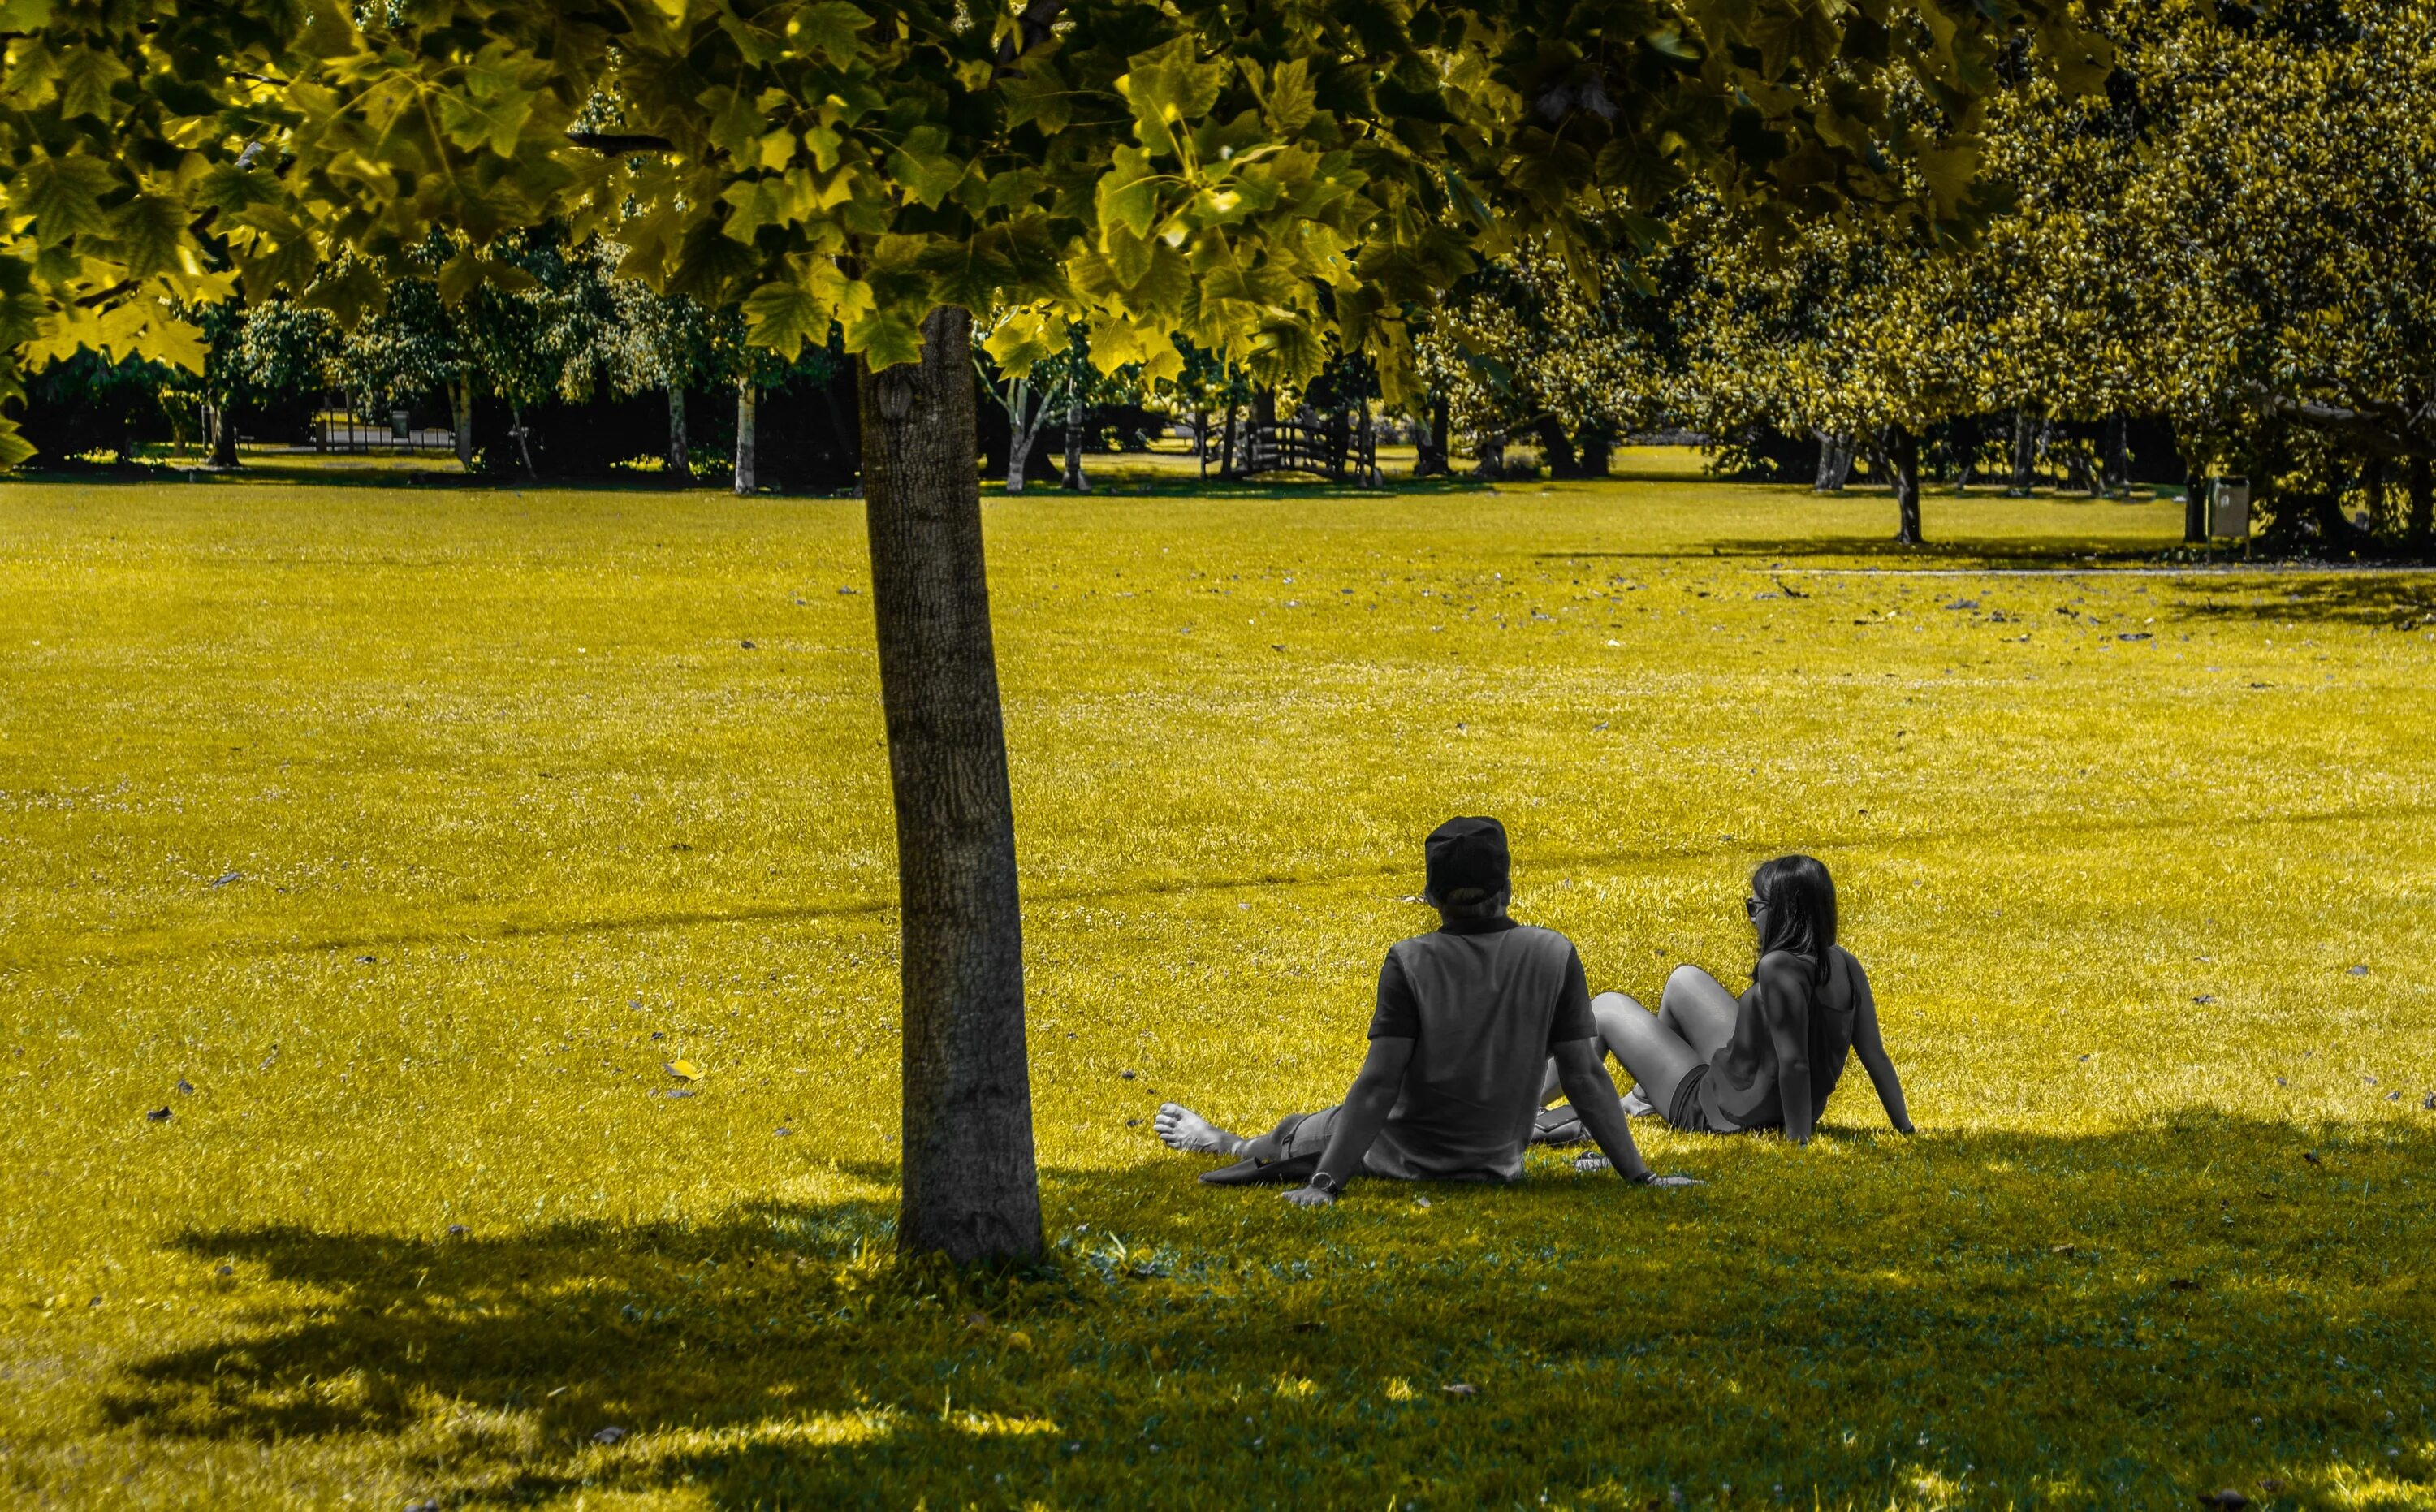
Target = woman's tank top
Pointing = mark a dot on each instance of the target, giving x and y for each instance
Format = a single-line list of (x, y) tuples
[(1740, 1091)]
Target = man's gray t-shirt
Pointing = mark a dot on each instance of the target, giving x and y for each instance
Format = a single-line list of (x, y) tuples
[(1483, 1003)]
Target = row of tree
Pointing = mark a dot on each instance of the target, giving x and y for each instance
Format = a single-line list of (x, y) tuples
[(2234, 236)]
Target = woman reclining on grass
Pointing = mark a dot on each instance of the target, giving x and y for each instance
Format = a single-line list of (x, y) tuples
[(1715, 1064)]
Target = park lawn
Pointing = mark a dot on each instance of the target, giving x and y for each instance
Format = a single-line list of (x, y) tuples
[(417, 831)]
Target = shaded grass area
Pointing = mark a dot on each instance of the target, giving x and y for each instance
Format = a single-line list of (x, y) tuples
[(417, 832)]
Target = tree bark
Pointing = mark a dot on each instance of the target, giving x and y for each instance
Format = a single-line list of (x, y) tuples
[(1558, 449), (971, 1189), (1834, 464), (223, 438), (2195, 507), (1226, 463), (524, 439), (748, 411), (460, 418), (2423, 504), (1430, 460), (1489, 454), (1965, 443), (680, 466), (1902, 457), (1075, 481), (2026, 453), (2117, 460)]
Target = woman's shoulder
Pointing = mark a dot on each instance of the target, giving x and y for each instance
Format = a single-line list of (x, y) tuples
[(1783, 963)]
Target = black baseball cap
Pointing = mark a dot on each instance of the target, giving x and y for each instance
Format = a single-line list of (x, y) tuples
[(1467, 853)]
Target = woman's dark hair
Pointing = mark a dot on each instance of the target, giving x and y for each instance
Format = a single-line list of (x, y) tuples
[(1800, 897)]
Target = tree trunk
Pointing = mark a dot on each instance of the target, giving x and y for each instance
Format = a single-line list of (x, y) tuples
[(1835, 462), (680, 455), (2381, 510), (970, 1189), (1598, 452), (1074, 482), (1201, 442), (2423, 504), (748, 409), (523, 443), (2118, 454), (1558, 449), (1489, 454), (223, 438), (460, 418), (1226, 466), (2195, 508), (1902, 457), (1023, 426), (2026, 453), (1430, 460)]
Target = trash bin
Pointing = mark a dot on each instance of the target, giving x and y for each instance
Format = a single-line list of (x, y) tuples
[(2229, 507), (400, 424)]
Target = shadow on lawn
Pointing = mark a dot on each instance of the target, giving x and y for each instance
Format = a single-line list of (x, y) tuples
[(2119, 1319), (2355, 597)]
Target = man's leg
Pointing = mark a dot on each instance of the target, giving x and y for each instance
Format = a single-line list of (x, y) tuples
[(1180, 1128), (1653, 1055), (1290, 1152), (1700, 1010)]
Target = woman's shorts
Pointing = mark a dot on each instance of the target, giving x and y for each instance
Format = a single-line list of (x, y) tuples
[(1685, 1112)]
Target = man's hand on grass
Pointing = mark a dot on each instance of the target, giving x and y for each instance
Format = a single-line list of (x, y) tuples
[(1310, 1197), (1593, 1164)]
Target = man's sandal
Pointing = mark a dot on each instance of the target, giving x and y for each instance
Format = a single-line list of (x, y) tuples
[(1249, 1173)]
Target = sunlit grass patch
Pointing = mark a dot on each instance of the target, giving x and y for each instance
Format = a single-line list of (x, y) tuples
[(417, 836)]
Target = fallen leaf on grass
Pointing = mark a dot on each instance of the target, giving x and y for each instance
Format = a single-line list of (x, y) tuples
[(610, 1434), (159, 1115), (683, 1071), (185, 1087), (1461, 1388), (2060, 1249)]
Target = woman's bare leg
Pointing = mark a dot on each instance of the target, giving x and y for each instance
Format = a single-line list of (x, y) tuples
[(1700, 1010), (1650, 1052)]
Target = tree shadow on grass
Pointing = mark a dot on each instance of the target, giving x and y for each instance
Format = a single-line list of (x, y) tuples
[(2382, 601), (2128, 1318)]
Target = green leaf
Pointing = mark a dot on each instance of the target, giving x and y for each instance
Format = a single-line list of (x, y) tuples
[(1167, 87), (1293, 98), (885, 337), (150, 229), (831, 28), (14, 449), (63, 196), (926, 175), (786, 318), (85, 76), (1128, 193)]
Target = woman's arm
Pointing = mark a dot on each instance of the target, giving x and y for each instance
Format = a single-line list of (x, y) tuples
[(1781, 997), (1871, 1048)]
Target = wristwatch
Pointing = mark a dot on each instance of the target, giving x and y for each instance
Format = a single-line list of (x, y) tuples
[(1321, 1181)]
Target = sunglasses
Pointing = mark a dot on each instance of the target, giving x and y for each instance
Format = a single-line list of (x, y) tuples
[(1752, 907)]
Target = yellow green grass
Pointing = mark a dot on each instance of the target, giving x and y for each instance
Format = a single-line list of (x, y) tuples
[(416, 830)]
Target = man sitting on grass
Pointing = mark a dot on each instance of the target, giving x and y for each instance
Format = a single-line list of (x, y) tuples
[(1467, 1020)]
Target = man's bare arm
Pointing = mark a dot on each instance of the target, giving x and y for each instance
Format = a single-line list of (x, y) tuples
[(1370, 1101), (1581, 1067)]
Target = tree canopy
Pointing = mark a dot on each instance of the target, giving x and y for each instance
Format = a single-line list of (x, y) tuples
[(1253, 177)]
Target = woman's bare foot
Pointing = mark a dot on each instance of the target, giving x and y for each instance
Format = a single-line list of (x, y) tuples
[(1183, 1129)]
